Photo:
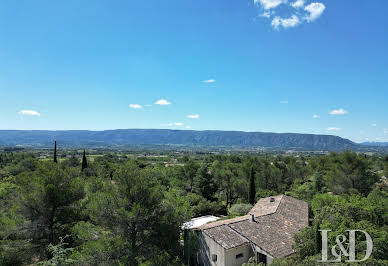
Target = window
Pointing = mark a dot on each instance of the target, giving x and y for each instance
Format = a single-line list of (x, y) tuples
[(262, 258), (240, 255), (214, 257)]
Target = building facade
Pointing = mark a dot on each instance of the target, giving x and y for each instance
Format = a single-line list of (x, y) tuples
[(266, 232)]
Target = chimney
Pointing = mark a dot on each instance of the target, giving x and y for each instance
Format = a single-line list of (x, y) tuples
[(252, 217), (271, 199)]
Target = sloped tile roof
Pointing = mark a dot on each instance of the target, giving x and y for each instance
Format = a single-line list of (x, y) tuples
[(226, 237), (262, 207), (275, 222)]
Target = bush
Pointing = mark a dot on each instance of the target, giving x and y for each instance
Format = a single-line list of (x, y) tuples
[(206, 207), (239, 209)]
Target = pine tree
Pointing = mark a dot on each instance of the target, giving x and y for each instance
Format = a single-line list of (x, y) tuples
[(252, 188), (84, 162), (204, 183), (55, 152)]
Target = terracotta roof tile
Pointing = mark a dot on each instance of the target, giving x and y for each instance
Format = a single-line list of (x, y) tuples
[(273, 228), (225, 236)]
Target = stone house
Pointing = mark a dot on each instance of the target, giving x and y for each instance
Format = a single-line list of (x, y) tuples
[(266, 232)]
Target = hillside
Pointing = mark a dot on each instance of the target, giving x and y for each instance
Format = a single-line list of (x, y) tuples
[(375, 144), (130, 137)]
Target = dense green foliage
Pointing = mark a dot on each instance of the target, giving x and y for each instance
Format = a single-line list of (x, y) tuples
[(127, 209)]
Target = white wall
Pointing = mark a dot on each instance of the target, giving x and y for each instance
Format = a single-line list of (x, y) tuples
[(230, 255), (225, 257), (208, 247)]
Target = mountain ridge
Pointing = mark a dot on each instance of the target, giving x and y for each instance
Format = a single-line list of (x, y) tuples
[(375, 144), (130, 137)]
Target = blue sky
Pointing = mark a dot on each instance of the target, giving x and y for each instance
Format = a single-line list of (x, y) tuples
[(270, 65)]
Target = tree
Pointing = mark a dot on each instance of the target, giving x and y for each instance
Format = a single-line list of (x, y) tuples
[(318, 182), (386, 166), (204, 183), (84, 162), (59, 254), (55, 152), (252, 188), (190, 169), (48, 199), (139, 214), (351, 172), (226, 177)]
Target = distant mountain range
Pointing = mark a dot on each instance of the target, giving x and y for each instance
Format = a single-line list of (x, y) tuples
[(375, 144), (209, 138)]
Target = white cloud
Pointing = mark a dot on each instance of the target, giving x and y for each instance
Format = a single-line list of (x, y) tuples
[(177, 124), (266, 14), (315, 10), (297, 10), (298, 3), (385, 130), (135, 106), (285, 22), (162, 102), (209, 81), (167, 125), (188, 127), (374, 125), (29, 112), (196, 116), (284, 102), (338, 112), (269, 4), (333, 129), (316, 116)]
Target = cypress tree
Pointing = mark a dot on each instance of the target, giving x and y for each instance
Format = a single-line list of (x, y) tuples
[(252, 188), (55, 152), (84, 162)]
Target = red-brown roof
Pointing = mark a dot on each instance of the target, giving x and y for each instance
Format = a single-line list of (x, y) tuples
[(272, 230)]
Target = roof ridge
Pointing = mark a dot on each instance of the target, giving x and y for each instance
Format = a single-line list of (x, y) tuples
[(280, 201), (227, 224)]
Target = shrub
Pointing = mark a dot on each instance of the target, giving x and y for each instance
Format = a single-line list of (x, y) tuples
[(239, 209)]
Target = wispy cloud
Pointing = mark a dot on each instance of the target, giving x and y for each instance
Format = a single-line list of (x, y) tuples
[(338, 112), (162, 102), (293, 21), (315, 10), (196, 116), (374, 125), (209, 81), (333, 129), (284, 102), (266, 14), (177, 124), (29, 112), (188, 127), (298, 3), (135, 106), (316, 116), (269, 4), (167, 125)]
